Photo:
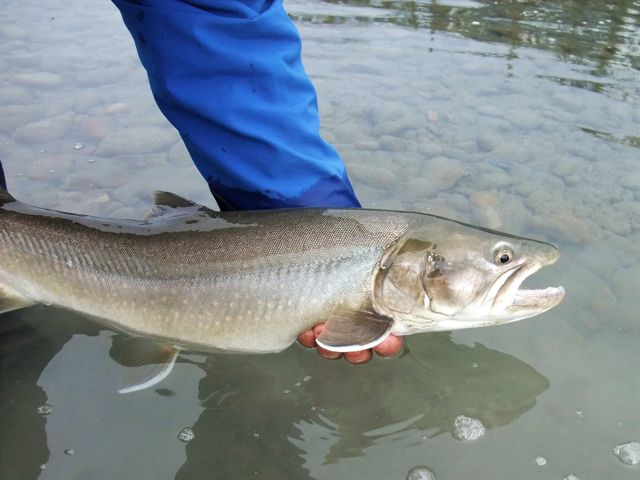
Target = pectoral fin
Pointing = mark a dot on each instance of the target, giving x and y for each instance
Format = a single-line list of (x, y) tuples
[(353, 331), (12, 300), (148, 362)]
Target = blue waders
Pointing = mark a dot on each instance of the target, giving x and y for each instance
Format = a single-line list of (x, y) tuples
[(228, 75)]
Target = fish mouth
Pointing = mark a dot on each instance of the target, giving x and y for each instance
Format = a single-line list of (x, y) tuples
[(518, 303)]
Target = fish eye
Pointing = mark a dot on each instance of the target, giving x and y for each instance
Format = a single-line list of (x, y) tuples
[(503, 255)]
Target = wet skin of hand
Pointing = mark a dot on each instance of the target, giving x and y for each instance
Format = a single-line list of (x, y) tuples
[(387, 348)]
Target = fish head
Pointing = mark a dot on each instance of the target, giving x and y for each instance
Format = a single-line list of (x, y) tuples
[(452, 275)]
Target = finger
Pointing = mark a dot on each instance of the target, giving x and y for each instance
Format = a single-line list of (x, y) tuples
[(357, 358), (307, 339), (317, 330), (328, 354), (390, 346)]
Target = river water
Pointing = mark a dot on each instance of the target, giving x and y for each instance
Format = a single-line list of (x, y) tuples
[(516, 115)]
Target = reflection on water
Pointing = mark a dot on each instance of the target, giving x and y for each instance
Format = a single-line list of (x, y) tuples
[(523, 116), (596, 31), (281, 426)]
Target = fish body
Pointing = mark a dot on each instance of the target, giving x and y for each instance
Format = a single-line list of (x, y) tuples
[(253, 281)]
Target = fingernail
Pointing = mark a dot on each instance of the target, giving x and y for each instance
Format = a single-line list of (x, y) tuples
[(358, 358), (328, 354)]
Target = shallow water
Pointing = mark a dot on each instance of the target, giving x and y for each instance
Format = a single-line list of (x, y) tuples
[(522, 116)]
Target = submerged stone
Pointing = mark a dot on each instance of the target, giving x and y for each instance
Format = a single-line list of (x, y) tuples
[(44, 130), (39, 79), (136, 140)]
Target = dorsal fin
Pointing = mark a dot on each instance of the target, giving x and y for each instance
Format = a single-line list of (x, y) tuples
[(169, 205), (6, 197), (168, 199)]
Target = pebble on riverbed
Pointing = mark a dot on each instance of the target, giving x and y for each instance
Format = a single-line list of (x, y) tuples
[(137, 140), (44, 130)]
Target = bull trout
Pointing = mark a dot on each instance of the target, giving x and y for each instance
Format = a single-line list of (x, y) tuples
[(252, 281)]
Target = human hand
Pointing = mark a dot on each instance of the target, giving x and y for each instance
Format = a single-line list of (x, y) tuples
[(389, 347)]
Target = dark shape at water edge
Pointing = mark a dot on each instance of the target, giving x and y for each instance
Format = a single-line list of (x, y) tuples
[(25, 350), (283, 415), (270, 413)]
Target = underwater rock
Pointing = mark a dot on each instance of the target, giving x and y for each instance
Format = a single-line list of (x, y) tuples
[(38, 80), (377, 177), (488, 142), (568, 101), (136, 140), (45, 130), (563, 227), (116, 108), (441, 173), (484, 199)]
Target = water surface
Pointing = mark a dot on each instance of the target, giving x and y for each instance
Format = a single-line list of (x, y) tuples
[(522, 116)]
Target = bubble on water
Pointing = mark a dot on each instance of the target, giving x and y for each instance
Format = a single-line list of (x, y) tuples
[(43, 466), (40, 163), (467, 428), (571, 476), (541, 461), (91, 160), (78, 146), (20, 174), (69, 263), (628, 453), (420, 473), (69, 451), (45, 409), (256, 434), (306, 378), (186, 435), (286, 391)]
